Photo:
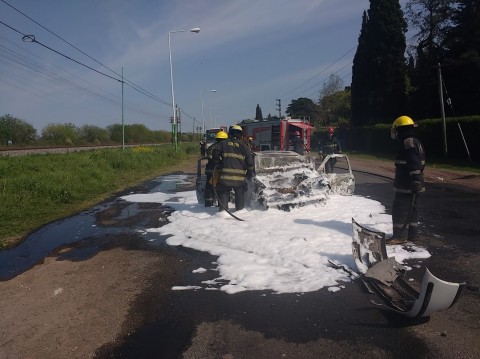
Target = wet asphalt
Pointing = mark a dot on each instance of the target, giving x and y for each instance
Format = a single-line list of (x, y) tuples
[(330, 323)]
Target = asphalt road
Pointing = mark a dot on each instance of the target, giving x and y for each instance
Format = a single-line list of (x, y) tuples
[(156, 322), (202, 324)]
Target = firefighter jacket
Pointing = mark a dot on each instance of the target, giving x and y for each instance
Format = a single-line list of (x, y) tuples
[(331, 146), (235, 161), (210, 163), (409, 164)]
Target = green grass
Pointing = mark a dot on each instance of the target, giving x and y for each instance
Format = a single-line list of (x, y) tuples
[(38, 189)]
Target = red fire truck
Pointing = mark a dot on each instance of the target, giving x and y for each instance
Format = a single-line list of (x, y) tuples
[(276, 134)]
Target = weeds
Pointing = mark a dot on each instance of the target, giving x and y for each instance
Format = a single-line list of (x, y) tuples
[(37, 189)]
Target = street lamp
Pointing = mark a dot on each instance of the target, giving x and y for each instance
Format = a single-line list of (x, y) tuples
[(203, 115), (174, 123)]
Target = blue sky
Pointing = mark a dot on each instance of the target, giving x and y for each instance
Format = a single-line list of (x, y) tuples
[(250, 51)]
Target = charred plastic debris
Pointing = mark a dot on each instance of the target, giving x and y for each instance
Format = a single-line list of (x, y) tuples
[(385, 277), (285, 179)]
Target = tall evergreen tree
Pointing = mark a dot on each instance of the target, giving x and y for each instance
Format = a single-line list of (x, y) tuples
[(379, 69), (360, 77), (258, 113)]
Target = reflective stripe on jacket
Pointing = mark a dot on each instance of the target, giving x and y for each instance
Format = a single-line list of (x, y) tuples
[(236, 159)]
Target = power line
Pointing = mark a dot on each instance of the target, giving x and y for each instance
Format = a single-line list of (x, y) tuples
[(322, 71), (26, 64), (31, 38), (348, 64), (59, 37), (126, 81)]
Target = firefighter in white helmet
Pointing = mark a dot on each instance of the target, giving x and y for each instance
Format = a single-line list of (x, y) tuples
[(409, 181)]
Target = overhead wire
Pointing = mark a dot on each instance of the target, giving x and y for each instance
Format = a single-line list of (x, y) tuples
[(60, 76), (326, 78), (326, 68), (31, 38), (126, 81), (319, 73)]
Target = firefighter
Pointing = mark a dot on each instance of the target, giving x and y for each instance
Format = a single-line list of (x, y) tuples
[(250, 143), (235, 161), (209, 168), (408, 182), (330, 147), (297, 143)]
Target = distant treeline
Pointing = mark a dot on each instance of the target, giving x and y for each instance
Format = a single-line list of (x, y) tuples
[(18, 132)]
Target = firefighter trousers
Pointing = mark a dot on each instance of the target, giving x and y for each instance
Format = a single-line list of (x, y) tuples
[(223, 193), (404, 211)]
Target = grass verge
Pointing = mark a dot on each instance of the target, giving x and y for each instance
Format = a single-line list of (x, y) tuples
[(38, 189)]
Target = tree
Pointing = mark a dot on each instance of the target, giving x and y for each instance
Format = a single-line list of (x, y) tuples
[(258, 113), (461, 67), (334, 104), (93, 135), (303, 108), (379, 69), (58, 134), (336, 108), (16, 131), (333, 85), (430, 20)]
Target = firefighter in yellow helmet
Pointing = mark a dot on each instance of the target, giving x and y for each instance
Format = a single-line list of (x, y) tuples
[(209, 198), (235, 161), (408, 182)]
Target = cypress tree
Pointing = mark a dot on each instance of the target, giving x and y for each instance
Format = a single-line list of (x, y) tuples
[(258, 113), (379, 70), (360, 81)]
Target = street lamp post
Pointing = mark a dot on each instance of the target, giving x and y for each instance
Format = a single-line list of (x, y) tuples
[(203, 114), (211, 118), (174, 123)]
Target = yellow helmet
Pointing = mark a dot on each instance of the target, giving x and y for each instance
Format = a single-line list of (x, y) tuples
[(236, 127), (221, 135), (250, 138), (403, 121), (399, 122)]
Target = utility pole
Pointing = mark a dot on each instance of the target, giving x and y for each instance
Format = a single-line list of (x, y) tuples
[(279, 108), (123, 124), (179, 125), (442, 109), (193, 130)]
